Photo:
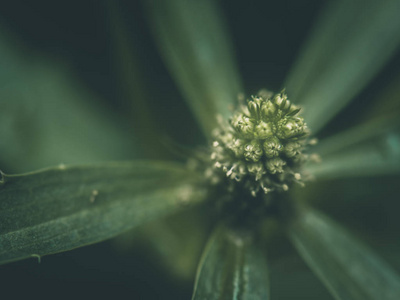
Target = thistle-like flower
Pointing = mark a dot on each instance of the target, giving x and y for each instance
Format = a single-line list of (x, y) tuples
[(261, 148)]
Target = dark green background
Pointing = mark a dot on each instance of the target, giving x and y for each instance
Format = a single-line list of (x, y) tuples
[(267, 36)]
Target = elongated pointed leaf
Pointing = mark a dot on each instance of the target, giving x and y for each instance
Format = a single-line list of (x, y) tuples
[(348, 269), (361, 161), (198, 52), (351, 43), (232, 267), (132, 83), (364, 132), (380, 119), (67, 207)]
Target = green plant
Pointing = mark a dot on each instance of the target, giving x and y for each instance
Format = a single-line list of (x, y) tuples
[(65, 207)]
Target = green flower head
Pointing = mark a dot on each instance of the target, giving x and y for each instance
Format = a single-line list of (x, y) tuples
[(261, 148)]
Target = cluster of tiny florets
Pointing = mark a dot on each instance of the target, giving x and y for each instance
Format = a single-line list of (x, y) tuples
[(261, 146)]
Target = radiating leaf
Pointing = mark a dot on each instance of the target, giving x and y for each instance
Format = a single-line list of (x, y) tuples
[(132, 84), (361, 133), (198, 52), (365, 160), (47, 116), (347, 268), (232, 267), (67, 207), (351, 42)]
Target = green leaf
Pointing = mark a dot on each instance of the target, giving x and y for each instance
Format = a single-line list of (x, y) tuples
[(351, 42), (366, 160), (348, 269), (195, 45), (48, 117), (132, 83), (232, 267), (379, 120), (67, 207), (364, 132)]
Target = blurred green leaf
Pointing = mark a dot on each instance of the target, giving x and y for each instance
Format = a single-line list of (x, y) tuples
[(195, 45), (347, 268), (350, 44), (67, 207), (47, 117), (132, 84), (380, 158), (380, 119), (232, 267), (364, 132)]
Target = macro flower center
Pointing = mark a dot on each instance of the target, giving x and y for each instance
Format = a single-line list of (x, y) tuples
[(261, 147)]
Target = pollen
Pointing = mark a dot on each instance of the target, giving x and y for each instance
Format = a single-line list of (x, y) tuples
[(260, 148)]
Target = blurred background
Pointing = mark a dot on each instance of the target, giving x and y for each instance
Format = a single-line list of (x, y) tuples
[(75, 77)]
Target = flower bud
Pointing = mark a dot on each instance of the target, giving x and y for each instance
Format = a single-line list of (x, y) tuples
[(292, 149), (253, 151), (272, 147), (275, 165), (263, 130)]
